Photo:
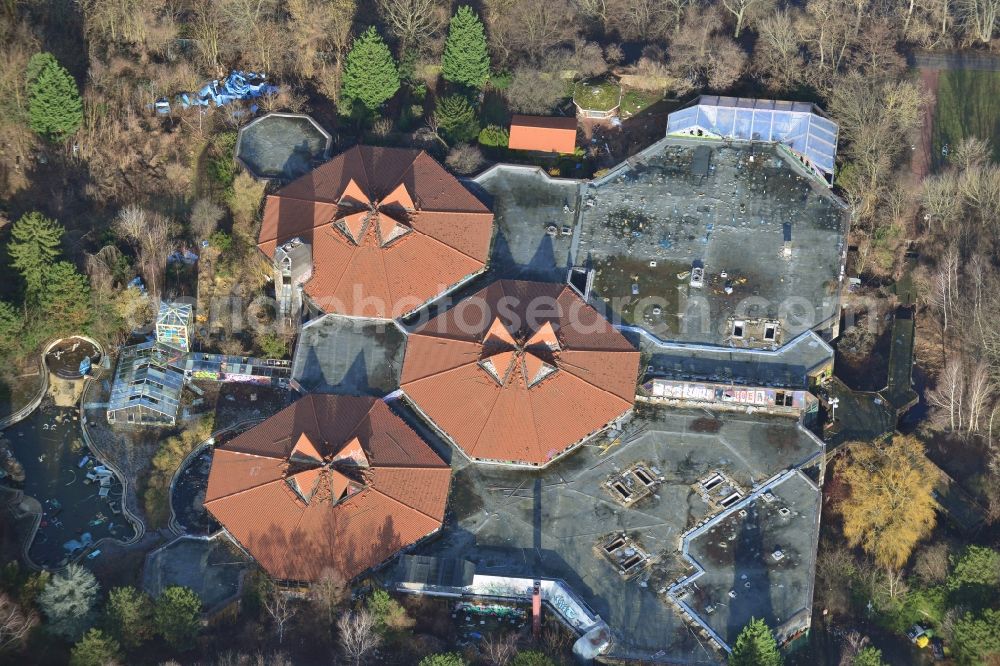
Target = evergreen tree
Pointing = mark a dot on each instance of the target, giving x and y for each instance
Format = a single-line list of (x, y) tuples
[(977, 638), (868, 656), (10, 327), (54, 107), (129, 616), (66, 299), (95, 649), (68, 601), (34, 245), (444, 659), (456, 119), (177, 616), (466, 60), (370, 73), (755, 646)]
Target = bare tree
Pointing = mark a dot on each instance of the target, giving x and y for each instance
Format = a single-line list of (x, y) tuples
[(149, 234), (205, 217), (947, 395), (979, 19), (359, 635), (15, 622), (777, 53), (744, 11), (328, 592), (499, 649), (527, 27), (279, 606), (101, 267), (413, 22)]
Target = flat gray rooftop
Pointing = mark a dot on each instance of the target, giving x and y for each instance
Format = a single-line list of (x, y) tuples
[(212, 567), (525, 201), (345, 355), (760, 564), (551, 523), (788, 367), (733, 221)]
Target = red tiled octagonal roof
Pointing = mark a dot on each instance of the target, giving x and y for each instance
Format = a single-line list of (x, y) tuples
[(520, 371), (390, 229), (375, 488)]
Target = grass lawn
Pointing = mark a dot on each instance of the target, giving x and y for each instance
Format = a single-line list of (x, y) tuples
[(636, 101), (967, 105), (597, 95)]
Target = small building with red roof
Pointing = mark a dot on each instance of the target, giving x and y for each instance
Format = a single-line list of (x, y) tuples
[(520, 373), (330, 482), (374, 232), (547, 134)]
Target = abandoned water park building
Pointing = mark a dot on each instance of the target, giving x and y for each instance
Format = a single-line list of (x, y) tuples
[(641, 445)]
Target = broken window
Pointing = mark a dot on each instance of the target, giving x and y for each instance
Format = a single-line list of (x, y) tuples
[(738, 327)]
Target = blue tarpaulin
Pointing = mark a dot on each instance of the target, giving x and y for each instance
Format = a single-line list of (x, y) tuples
[(237, 86)]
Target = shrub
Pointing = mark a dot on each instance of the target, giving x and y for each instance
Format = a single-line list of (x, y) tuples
[(494, 136), (464, 159), (221, 241), (444, 659), (222, 163), (532, 658), (531, 91)]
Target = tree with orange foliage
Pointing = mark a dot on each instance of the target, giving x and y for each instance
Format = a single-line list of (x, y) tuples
[(890, 505)]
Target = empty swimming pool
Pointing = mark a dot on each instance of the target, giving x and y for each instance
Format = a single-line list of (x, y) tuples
[(282, 146)]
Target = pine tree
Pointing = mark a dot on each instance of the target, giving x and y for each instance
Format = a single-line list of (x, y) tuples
[(755, 646), (370, 73), (129, 616), (456, 119), (177, 616), (10, 326), (68, 601), (54, 107), (95, 649), (466, 60), (66, 299), (33, 247)]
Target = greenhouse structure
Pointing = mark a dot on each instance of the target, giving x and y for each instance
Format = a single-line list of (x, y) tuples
[(800, 127)]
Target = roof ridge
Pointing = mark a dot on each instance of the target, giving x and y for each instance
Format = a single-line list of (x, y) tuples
[(374, 489), (246, 453), (603, 390), (364, 169), (441, 372), (450, 247), (486, 421), (245, 490)]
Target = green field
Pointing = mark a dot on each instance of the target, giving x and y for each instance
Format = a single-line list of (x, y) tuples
[(968, 104)]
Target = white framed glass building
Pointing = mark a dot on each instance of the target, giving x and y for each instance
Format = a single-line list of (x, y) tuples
[(798, 126)]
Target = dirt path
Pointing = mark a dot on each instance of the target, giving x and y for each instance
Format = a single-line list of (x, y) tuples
[(922, 156)]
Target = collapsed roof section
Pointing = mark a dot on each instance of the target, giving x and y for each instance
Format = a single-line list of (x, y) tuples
[(798, 126), (330, 482), (520, 372), (389, 228)]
